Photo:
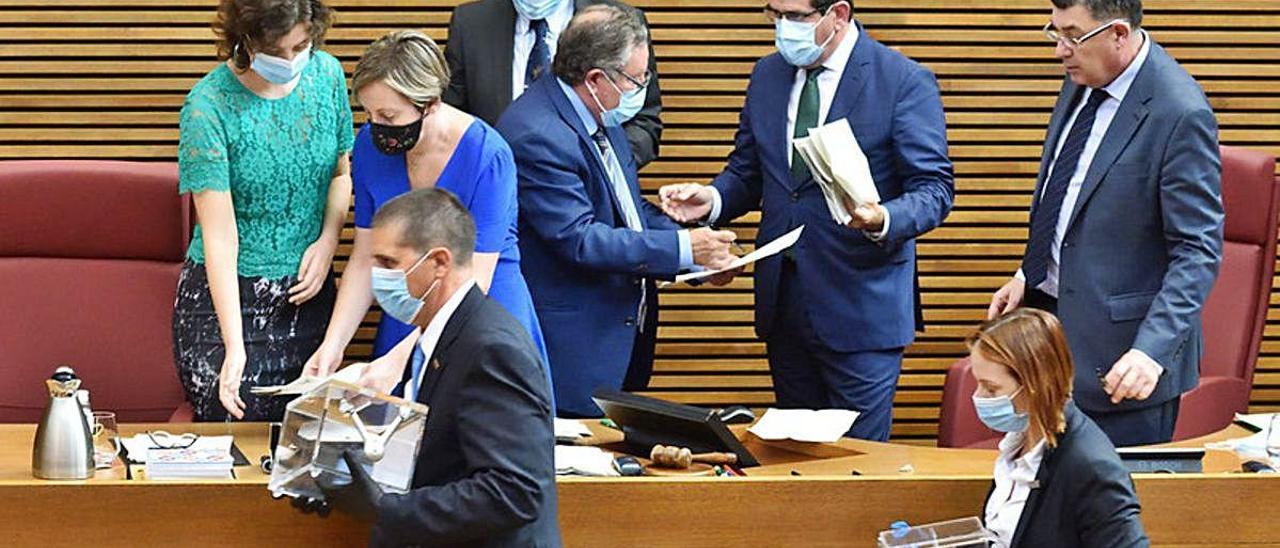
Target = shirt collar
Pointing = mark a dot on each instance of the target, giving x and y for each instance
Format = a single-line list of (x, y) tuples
[(844, 51), (435, 328), (1119, 87), (588, 119), (1011, 444), (556, 22)]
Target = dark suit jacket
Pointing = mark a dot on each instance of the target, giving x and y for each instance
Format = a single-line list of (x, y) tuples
[(583, 265), (485, 474), (866, 292), (1085, 496), (1143, 245), (479, 52)]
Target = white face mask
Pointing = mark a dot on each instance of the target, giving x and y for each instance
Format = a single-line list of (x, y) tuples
[(797, 41), (278, 70)]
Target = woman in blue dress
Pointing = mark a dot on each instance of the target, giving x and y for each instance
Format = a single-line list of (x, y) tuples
[(414, 140)]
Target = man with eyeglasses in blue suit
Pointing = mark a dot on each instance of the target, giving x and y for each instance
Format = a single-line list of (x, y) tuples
[(837, 310)]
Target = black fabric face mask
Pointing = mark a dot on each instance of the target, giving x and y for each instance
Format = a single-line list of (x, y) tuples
[(396, 139)]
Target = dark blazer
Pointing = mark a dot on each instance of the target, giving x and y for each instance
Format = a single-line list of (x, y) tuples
[(485, 474), (583, 265), (1144, 242), (865, 292), (479, 53), (1085, 496)]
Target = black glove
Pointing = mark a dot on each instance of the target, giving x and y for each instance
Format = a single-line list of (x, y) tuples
[(358, 496)]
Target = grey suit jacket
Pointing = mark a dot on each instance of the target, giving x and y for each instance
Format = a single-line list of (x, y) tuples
[(479, 53), (1143, 245)]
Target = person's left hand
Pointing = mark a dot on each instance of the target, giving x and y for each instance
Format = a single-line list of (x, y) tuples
[(1134, 377), (868, 217), (358, 496), (313, 270), (725, 278)]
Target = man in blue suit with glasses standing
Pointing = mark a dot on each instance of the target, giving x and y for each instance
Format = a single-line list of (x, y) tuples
[(838, 309)]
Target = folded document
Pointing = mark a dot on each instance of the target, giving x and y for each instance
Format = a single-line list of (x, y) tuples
[(839, 166)]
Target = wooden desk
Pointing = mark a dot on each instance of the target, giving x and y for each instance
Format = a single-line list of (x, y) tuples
[(824, 506)]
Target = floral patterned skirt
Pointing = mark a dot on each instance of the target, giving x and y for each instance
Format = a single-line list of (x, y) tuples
[(279, 337)]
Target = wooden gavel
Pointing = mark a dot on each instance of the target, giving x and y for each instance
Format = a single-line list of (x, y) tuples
[(681, 457)]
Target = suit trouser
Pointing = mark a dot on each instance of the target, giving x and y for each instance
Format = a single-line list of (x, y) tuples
[(807, 374), (1129, 427)]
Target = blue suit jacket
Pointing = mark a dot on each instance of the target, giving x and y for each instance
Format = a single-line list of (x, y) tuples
[(863, 295), (1144, 242), (583, 265), (1083, 495)]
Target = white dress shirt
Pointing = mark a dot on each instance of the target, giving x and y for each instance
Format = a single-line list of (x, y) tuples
[(1117, 89), (525, 37), (431, 335), (1015, 476), (828, 84)]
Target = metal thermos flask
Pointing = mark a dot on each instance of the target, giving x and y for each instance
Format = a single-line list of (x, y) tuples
[(64, 442)]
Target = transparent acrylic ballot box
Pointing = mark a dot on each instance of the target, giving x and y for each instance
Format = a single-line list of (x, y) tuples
[(383, 433), (957, 533)]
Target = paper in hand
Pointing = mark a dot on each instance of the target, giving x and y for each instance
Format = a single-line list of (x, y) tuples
[(838, 164), (770, 249)]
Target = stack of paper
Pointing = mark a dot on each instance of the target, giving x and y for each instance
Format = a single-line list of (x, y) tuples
[(806, 425), (583, 461), (840, 168), (207, 461)]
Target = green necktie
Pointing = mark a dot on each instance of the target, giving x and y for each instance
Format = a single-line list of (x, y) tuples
[(806, 119)]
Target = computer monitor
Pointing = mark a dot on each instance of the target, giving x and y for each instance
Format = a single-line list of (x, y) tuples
[(647, 422)]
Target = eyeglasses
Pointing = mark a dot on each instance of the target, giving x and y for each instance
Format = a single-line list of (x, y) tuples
[(164, 440), (794, 16), (1074, 43), (648, 77)]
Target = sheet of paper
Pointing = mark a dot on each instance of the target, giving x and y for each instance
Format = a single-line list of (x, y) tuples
[(1259, 421), (804, 425), (584, 461), (570, 428), (778, 245), (807, 148), (139, 444), (306, 383)]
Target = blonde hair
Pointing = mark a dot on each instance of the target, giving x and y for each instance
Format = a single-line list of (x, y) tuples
[(407, 61), (1032, 345)]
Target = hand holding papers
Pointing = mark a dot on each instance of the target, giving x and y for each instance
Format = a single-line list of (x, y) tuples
[(768, 250), (841, 169), (805, 425)]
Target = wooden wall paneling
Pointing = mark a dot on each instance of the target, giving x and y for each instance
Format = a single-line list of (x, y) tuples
[(106, 78)]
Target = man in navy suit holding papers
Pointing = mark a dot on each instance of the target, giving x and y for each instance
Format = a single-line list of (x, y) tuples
[(837, 310)]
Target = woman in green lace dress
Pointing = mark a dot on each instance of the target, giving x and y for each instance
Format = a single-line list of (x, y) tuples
[(264, 146)]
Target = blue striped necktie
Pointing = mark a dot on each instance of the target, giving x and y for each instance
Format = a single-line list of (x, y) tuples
[(1044, 215)]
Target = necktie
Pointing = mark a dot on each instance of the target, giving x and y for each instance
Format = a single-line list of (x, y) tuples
[(540, 55), (629, 213), (412, 379), (806, 119), (1044, 215)]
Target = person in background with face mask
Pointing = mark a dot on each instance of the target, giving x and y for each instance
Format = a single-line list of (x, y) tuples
[(837, 310), (497, 48), (1058, 479), (413, 140), (485, 474), (263, 147), (590, 244)]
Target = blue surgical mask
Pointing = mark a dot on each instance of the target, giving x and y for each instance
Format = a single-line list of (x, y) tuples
[(796, 41), (999, 414), (536, 9), (391, 289), (630, 104), (280, 71)]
